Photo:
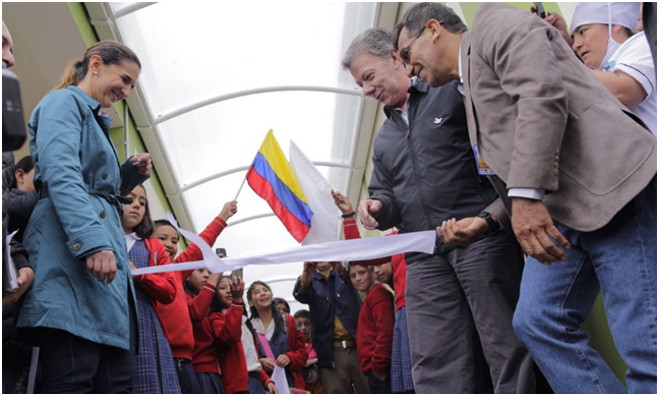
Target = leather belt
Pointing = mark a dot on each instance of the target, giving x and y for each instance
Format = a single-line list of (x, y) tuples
[(344, 344)]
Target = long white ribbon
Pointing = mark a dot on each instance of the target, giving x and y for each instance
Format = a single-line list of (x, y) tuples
[(348, 250)]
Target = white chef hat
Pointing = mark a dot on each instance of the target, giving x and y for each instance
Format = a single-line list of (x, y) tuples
[(624, 14)]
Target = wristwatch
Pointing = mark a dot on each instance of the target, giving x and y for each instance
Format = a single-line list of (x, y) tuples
[(348, 215), (492, 224)]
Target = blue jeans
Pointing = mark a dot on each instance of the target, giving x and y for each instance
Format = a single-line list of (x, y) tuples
[(620, 260)]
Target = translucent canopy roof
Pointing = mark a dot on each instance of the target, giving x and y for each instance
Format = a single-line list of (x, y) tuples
[(216, 78)]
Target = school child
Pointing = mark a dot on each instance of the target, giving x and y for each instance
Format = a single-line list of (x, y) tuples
[(176, 317), (282, 305), (375, 328), (401, 355), (231, 357), (154, 370), (310, 370), (257, 377), (214, 327), (280, 343)]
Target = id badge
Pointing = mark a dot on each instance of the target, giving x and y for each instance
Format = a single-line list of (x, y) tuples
[(482, 167)]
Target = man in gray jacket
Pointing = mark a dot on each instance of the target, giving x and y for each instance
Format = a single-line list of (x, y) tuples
[(424, 174), (580, 178)]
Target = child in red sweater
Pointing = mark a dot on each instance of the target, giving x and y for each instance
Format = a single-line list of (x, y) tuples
[(153, 365), (214, 328), (310, 370), (176, 318), (401, 357), (231, 354), (375, 328)]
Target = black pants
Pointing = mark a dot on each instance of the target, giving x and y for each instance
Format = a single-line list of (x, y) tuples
[(71, 364), (186, 376), (378, 386)]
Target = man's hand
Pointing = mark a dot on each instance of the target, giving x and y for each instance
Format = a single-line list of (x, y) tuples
[(342, 202), (24, 281), (102, 265), (229, 209), (536, 232), (462, 232), (143, 163), (305, 278), (365, 211)]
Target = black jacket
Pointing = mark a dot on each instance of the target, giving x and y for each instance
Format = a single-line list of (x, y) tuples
[(18, 252), (326, 298), (426, 173)]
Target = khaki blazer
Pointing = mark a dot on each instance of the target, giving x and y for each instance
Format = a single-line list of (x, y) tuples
[(542, 120)]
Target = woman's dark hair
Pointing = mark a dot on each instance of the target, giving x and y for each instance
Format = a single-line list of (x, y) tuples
[(277, 317), (111, 52), (283, 302), (145, 228), (26, 164)]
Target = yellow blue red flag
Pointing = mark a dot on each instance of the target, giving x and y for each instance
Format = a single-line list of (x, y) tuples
[(273, 179)]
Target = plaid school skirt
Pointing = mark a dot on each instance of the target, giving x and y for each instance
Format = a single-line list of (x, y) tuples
[(401, 355)]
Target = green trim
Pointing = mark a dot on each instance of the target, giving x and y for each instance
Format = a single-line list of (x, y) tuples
[(81, 19), (469, 9), (597, 329)]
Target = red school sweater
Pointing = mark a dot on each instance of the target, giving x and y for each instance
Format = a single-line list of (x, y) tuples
[(375, 330), (398, 263), (159, 287), (231, 355), (176, 317), (233, 363), (212, 328)]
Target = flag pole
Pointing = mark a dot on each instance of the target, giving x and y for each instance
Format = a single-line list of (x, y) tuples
[(241, 187)]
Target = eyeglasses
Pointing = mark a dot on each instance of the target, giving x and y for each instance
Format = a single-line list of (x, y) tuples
[(405, 52)]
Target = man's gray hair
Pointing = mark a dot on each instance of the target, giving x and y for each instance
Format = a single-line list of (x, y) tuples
[(376, 41), (416, 18)]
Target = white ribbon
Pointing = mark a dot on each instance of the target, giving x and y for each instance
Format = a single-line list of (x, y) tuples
[(348, 250)]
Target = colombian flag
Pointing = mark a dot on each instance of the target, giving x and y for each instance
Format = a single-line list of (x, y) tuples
[(272, 178)]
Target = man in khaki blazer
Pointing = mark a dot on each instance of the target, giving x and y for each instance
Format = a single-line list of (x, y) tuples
[(579, 177)]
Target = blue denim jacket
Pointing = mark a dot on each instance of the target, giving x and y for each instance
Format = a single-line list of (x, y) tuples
[(79, 176)]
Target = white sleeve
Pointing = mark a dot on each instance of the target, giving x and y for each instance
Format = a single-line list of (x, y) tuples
[(634, 58), (526, 192)]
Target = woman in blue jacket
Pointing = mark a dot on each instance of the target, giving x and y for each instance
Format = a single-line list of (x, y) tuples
[(80, 306)]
